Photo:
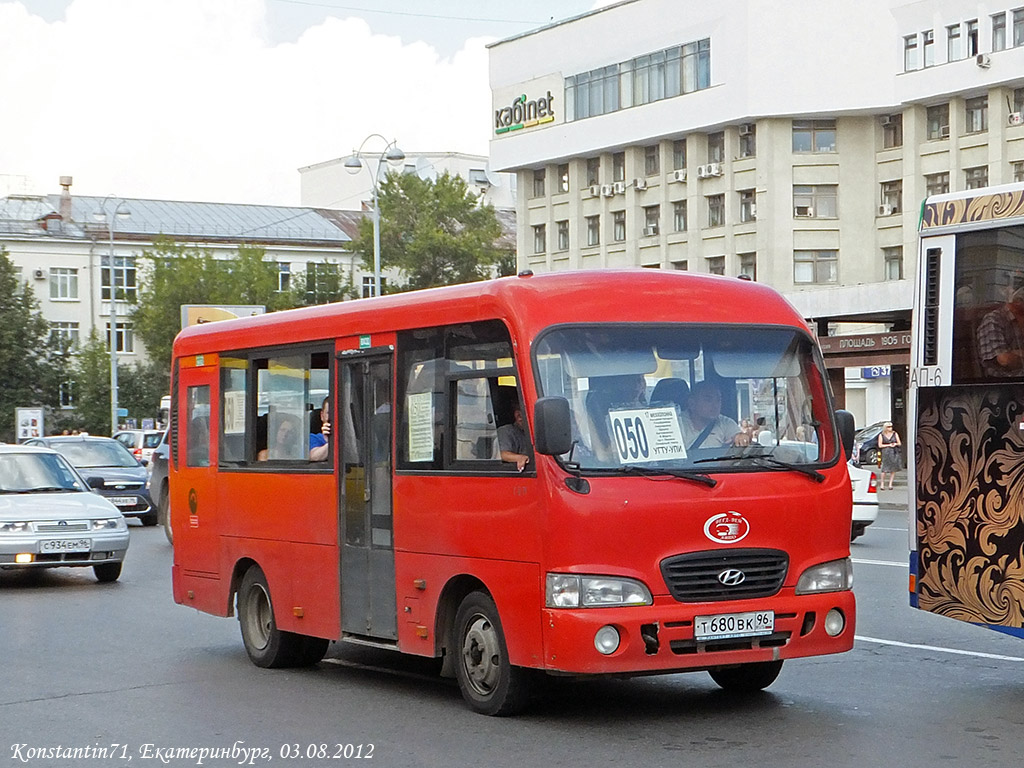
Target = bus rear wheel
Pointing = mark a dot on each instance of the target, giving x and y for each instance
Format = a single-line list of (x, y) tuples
[(747, 678), (266, 645), (488, 681)]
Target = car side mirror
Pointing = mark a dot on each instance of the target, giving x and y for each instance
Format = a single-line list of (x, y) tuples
[(844, 419), (96, 483), (552, 426), (144, 462)]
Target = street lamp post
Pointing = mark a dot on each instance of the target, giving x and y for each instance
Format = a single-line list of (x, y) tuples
[(120, 208), (394, 158)]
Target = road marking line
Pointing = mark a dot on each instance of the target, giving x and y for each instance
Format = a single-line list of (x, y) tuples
[(880, 562), (979, 654)]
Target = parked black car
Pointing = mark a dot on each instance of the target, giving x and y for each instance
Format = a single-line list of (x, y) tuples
[(865, 444), (111, 469), (158, 485)]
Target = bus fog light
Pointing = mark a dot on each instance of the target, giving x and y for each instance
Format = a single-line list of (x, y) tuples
[(835, 622), (607, 640)]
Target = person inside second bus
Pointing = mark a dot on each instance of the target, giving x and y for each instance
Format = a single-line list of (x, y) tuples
[(285, 442), (318, 442), (514, 443), (1001, 338), (704, 425)]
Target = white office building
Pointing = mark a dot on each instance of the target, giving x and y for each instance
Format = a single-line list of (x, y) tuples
[(789, 142)]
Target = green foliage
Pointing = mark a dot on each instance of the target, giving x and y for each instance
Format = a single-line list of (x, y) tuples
[(434, 231), (322, 283), (175, 275), (91, 373), (25, 350), (140, 387)]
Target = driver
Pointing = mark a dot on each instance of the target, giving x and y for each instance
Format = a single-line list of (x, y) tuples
[(703, 424)]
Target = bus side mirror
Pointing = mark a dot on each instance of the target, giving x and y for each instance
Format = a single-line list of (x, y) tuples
[(846, 429), (552, 426)]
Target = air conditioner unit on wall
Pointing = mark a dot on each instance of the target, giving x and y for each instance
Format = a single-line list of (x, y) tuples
[(679, 175), (714, 169), (640, 183), (607, 190), (983, 60), (746, 129), (886, 210), (944, 132), (886, 120), (1016, 118), (595, 190), (650, 231), (39, 274), (803, 211), (620, 187)]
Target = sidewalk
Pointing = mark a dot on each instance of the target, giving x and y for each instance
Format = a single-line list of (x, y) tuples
[(897, 498)]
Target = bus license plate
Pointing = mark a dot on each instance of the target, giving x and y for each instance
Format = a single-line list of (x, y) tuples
[(728, 625), (65, 545)]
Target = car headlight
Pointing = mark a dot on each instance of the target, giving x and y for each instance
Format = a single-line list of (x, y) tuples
[(15, 527), (108, 524), (570, 590), (833, 576)]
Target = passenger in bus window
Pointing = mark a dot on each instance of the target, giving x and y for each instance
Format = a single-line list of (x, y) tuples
[(605, 395), (286, 441), (318, 443), (514, 443), (704, 425), (1001, 338)]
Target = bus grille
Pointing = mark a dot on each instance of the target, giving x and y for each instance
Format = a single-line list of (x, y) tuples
[(695, 577)]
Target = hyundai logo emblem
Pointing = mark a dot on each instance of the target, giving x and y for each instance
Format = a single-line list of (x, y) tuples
[(732, 577)]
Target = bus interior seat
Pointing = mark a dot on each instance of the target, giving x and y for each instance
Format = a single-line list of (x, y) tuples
[(671, 390)]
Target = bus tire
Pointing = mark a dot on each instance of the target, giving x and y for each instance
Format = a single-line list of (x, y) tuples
[(488, 681), (267, 646), (747, 678), (163, 511)]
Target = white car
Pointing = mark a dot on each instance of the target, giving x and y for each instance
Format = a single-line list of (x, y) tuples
[(51, 518), (865, 498)]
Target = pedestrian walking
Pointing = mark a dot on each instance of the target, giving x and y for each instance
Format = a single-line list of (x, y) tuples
[(889, 448)]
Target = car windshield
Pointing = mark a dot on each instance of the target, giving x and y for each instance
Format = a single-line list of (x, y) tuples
[(106, 453), (37, 473), (689, 397)]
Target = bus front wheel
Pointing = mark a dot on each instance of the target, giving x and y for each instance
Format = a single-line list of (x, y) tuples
[(747, 678), (488, 681), (267, 645)]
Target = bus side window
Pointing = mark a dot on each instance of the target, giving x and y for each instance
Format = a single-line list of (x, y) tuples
[(476, 428), (197, 437)]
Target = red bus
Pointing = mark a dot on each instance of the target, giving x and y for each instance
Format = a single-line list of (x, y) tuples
[(677, 499)]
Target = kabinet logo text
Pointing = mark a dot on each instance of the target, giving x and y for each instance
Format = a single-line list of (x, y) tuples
[(524, 114)]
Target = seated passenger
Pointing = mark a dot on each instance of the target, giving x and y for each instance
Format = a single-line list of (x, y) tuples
[(285, 444), (318, 442), (703, 424), (514, 443)]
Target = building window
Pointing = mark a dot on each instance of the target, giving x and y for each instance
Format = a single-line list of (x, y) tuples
[(1018, 170), (976, 178), (748, 205), (816, 201), (892, 131), (652, 220), (67, 394), (716, 265), (284, 276), (815, 267), (748, 140), (893, 262), (652, 166), (972, 38), (999, 31), (954, 49), (619, 166), (618, 226), (562, 227), (124, 275), (67, 332), (593, 93), (1018, 27), (593, 230), (593, 171), (716, 210), (63, 283), (679, 215), (910, 60), (716, 147), (682, 265), (697, 65), (814, 135), (679, 154), (928, 37), (538, 183), (936, 184), (938, 121), (368, 285), (891, 197), (976, 114), (125, 337), (748, 265), (540, 238), (563, 177)]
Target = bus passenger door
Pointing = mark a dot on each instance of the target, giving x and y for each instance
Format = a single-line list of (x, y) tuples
[(363, 427)]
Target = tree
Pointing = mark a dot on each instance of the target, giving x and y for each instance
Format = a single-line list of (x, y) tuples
[(434, 231), (175, 275), (24, 349), (321, 283), (91, 373)]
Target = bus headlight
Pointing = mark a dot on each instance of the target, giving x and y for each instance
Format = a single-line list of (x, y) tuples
[(570, 590), (833, 576)]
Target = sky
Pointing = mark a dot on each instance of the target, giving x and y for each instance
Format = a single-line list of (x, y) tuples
[(223, 100)]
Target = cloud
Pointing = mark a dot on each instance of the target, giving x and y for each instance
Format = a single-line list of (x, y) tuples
[(187, 99)]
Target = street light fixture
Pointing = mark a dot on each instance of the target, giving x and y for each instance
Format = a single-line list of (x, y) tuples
[(119, 210), (394, 157)]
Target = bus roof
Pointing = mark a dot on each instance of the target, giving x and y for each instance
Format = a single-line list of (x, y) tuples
[(973, 209), (531, 302)]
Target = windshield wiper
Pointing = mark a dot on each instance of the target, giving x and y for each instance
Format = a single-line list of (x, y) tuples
[(682, 474), (811, 473)]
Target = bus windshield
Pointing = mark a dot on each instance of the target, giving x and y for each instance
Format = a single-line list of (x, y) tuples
[(688, 396)]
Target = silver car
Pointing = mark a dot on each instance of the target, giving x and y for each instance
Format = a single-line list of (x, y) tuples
[(50, 518)]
